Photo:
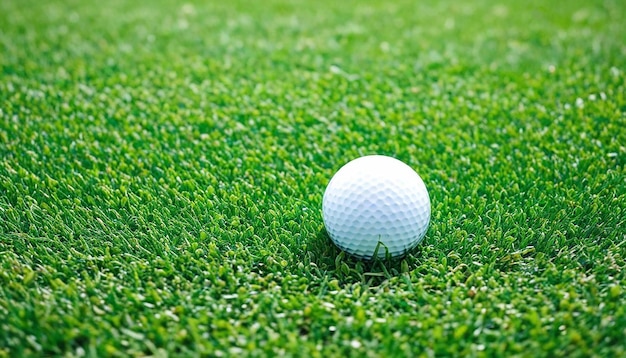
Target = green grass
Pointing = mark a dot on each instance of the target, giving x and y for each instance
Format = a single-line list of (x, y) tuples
[(162, 166)]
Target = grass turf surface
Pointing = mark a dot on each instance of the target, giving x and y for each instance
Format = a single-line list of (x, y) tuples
[(162, 167)]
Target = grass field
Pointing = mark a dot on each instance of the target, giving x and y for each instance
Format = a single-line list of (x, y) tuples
[(162, 166)]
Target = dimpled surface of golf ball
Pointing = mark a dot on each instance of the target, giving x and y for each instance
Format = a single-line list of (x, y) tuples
[(376, 201)]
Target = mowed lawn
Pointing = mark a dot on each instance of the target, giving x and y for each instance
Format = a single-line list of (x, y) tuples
[(162, 166)]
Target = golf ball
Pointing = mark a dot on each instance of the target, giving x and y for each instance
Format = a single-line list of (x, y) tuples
[(376, 203)]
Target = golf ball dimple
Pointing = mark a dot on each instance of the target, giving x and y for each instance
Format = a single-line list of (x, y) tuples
[(376, 202)]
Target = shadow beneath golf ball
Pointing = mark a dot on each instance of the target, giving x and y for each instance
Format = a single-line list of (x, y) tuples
[(347, 269)]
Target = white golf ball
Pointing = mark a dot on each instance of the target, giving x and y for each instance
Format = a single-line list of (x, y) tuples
[(376, 202)]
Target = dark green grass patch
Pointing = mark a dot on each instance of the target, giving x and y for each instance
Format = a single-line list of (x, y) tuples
[(162, 166)]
